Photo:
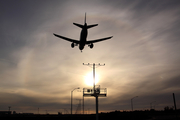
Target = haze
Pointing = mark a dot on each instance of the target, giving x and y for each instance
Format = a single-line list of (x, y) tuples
[(38, 70)]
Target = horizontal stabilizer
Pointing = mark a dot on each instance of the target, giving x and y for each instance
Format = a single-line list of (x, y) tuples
[(90, 26), (79, 25)]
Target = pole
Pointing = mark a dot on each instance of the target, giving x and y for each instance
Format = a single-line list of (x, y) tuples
[(95, 94), (131, 105), (174, 101), (72, 99), (94, 76), (83, 104), (9, 108), (175, 105), (97, 117), (151, 105), (132, 102)]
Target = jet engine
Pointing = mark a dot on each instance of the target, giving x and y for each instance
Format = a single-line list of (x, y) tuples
[(91, 45), (72, 45)]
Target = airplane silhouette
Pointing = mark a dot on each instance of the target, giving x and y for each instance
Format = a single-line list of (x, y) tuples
[(83, 37)]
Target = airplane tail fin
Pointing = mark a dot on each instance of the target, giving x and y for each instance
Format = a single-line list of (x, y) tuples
[(85, 19), (88, 26), (79, 25)]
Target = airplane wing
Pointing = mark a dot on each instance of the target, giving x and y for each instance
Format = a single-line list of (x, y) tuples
[(68, 39), (98, 40)]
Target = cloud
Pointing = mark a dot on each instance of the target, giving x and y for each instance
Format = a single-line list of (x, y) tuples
[(141, 59)]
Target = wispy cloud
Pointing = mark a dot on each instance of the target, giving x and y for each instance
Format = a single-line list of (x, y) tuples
[(38, 69)]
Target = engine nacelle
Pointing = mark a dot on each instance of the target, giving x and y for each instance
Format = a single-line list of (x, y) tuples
[(91, 45), (72, 45)]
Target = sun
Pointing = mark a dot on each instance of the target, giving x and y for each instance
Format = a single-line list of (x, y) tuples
[(89, 79)]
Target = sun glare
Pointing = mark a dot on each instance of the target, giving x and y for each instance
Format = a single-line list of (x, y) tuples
[(89, 79)]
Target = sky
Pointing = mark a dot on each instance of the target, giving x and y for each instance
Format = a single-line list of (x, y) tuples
[(39, 70)]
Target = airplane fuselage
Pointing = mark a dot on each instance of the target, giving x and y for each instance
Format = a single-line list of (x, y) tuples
[(83, 37)]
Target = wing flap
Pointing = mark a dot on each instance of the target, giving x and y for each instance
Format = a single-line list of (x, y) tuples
[(68, 39)]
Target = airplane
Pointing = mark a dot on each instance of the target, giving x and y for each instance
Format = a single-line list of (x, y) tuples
[(83, 36)]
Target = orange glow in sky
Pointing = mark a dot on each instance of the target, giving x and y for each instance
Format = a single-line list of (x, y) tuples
[(37, 69), (89, 79)]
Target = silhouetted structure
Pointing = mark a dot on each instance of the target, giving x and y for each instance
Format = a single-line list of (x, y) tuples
[(96, 91), (113, 115), (132, 102), (174, 99), (78, 110), (151, 104), (72, 99), (5, 113), (83, 36)]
